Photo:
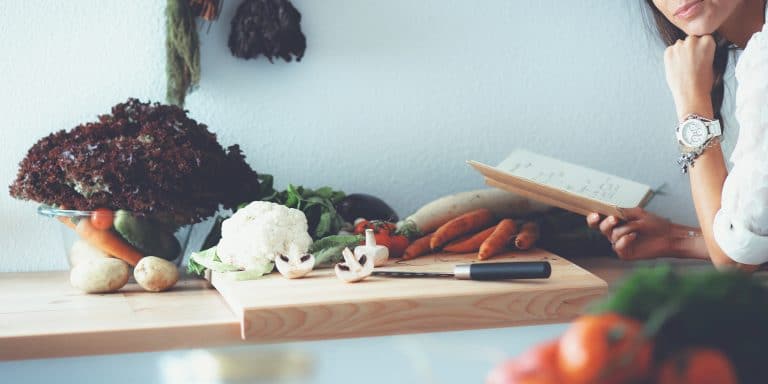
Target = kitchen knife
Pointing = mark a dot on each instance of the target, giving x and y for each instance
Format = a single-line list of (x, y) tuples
[(484, 271)]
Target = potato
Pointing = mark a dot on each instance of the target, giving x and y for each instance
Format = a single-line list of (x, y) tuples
[(82, 251), (99, 275), (155, 274)]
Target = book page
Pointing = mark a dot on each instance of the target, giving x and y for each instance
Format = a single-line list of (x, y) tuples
[(575, 179)]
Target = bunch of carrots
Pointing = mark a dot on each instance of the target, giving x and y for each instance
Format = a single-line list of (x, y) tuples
[(95, 230), (477, 231)]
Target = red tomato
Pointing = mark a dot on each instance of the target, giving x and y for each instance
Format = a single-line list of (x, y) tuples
[(538, 365), (102, 218), (604, 349), (383, 239), (398, 244), (378, 226), (361, 227), (698, 366), (385, 226)]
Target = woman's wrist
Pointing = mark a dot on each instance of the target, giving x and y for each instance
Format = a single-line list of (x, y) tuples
[(687, 243), (701, 105)]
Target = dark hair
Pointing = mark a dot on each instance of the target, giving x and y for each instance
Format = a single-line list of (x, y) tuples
[(669, 34)]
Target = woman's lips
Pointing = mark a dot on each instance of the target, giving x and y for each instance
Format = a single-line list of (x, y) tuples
[(690, 9)]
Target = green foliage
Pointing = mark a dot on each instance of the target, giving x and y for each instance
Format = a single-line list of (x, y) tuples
[(318, 205), (327, 250), (410, 230), (336, 240)]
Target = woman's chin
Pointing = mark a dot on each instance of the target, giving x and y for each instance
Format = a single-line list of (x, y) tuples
[(699, 27)]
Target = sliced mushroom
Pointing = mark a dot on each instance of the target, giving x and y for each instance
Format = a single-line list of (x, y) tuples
[(295, 266), (354, 269), (379, 253)]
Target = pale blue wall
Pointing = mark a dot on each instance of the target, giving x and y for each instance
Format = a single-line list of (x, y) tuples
[(391, 99)]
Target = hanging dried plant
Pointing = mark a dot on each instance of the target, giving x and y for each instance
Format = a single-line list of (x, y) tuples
[(182, 47), (267, 27)]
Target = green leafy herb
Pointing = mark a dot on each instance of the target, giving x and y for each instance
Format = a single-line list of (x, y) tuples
[(329, 256), (318, 205), (336, 240), (327, 250)]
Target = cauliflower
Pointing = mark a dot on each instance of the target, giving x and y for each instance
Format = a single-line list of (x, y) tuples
[(258, 233)]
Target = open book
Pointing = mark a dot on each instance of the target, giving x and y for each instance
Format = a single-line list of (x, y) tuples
[(565, 185)]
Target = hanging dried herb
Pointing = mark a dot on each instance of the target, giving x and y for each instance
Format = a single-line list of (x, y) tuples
[(267, 27), (182, 47)]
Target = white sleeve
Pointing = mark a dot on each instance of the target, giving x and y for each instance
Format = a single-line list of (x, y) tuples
[(741, 225)]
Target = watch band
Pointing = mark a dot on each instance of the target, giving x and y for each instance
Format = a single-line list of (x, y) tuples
[(689, 154)]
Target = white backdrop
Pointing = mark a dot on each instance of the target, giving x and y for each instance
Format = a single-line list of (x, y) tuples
[(391, 98)]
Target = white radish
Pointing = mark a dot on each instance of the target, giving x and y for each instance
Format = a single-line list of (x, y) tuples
[(502, 203)]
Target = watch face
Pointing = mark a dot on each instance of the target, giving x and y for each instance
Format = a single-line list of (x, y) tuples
[(693, 133)]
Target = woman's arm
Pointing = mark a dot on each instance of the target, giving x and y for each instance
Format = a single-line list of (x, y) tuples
[(708, 174), (707, 178), (688, 65), (646, 236), (690, 77)]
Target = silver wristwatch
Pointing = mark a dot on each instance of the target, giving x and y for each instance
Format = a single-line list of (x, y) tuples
[(694, 135)]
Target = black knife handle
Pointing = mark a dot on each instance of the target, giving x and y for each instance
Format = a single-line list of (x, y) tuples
[(504, 271)]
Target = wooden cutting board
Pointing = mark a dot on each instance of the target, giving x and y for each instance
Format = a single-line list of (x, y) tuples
[(320, 306)]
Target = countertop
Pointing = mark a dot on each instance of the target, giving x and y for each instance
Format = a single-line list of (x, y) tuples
[(191, 316)]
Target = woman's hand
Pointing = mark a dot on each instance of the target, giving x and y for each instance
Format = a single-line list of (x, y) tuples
[(690, 76), (642, 236)]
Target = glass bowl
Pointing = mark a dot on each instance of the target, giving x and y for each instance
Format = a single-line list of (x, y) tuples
[(128, 236)]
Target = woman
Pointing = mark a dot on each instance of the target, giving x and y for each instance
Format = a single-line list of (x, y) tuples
[(704, 39)]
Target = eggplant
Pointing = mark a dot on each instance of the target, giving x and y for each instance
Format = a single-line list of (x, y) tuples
[(369, 207)]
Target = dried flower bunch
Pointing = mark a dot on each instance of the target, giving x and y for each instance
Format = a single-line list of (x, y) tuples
[(267, 27), (146, 158)]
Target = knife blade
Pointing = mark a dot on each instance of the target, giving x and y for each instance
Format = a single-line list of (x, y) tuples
[(483, 271)]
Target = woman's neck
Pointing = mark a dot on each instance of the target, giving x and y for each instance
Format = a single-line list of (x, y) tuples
[(745, 20)]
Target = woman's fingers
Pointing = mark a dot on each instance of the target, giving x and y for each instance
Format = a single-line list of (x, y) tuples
[(634, 213), (625, 229), (593, 220), (607, 225), (623, 246)]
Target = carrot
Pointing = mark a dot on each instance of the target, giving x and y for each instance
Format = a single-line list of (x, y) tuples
[(528, 235), (499, 239), (67, 221), (462, 225), (108, 242), (469, 243), (418, 247)]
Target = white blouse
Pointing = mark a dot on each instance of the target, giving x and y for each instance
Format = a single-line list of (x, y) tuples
[(741, 224)]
